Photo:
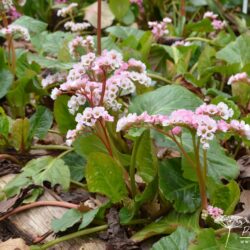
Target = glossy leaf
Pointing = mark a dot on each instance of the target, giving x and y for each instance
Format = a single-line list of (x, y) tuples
[(76, 165), (6, 79), (178, 240), (183, 193), (64, 119), (164, 100), (119, 8), (144, 153), (40, 122), (225, 196), (70, 218), (168, 225), (19, 134), (237, 51), (86, 144), (105, 176)]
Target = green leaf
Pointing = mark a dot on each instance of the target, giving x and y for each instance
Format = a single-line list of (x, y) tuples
[(51, 43), (200, 26), (84, 145), (40, 122), (164, 100), (37, 171), (119, 8), (64, 119), (76, 165), (168, 224), (179, 240), (6, 79), (237, 51), (88, 217), (158, 59), (225, 196), (55, 172), (19, 134), (205, 240), (70, 218), (4, 127), (144, 153), (49, 63), (18, 97), (125, 32), (105, 176), (33, 25), (183, 193), (219, 164), (241, 90)]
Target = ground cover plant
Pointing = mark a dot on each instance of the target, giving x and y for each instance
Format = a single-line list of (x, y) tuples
[(143, 105)]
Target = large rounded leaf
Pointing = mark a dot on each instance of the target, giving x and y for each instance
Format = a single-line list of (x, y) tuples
[(182, 192), (165, 100), (105, 176)]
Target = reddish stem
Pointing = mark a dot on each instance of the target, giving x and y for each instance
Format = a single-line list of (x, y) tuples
[(104, 82), (40, 204), (182, 8), (99, 28)]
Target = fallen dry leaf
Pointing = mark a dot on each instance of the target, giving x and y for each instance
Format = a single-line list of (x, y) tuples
[(8, 205), (14, 244), (245, 200), (91, 15), (244, 163)]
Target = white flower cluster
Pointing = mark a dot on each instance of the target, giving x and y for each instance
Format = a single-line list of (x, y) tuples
[(7, 4), (88, 119), (16, 30), (76, 27), (240, 77), (55, 78), (79, 42), (67, 10)]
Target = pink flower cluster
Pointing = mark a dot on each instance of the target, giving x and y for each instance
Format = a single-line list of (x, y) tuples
[(79, 42), (16, 30), (216, 23), (86, 79), (13, 13), (240, 77), (214, 212), (88, 119), (99, 82), (159, 29), (200, 121), (60, 1)]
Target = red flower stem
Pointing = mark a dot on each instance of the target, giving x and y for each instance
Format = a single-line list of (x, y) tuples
[(99, 28), (40, 204), (182, 8)]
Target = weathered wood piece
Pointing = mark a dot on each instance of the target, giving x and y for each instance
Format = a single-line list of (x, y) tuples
[(36, 222)]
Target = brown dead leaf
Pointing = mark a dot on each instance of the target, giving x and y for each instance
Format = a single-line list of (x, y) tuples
[(116, 235), (14, 244), (8, 205), (244, 163), (91, 15), (245, 200), (8, 167)]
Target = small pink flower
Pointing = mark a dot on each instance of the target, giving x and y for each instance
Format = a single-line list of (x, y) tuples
[(176, 130)]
